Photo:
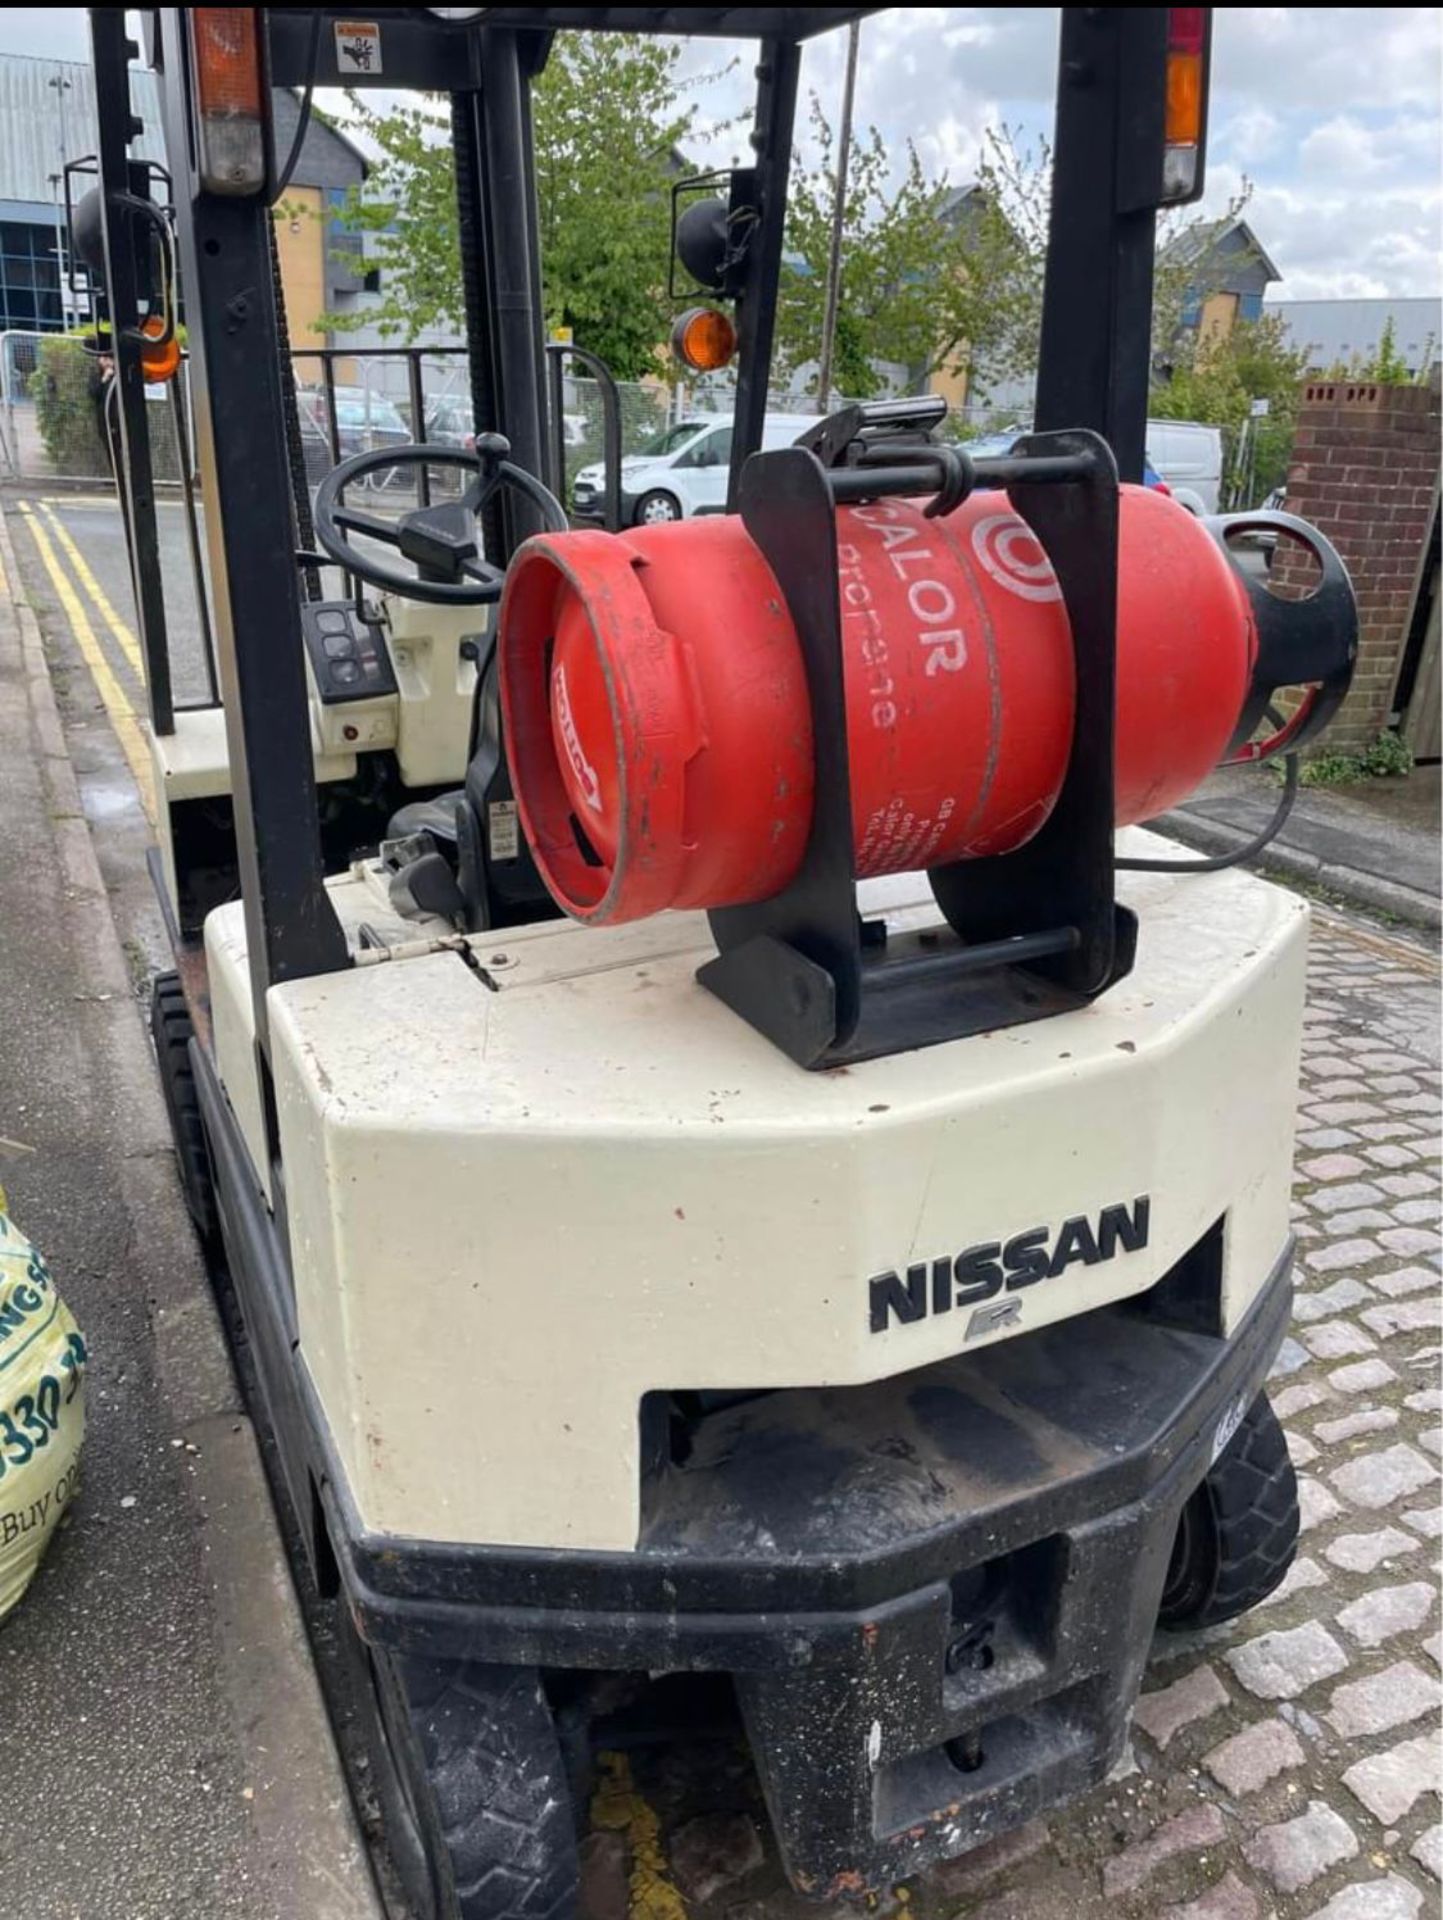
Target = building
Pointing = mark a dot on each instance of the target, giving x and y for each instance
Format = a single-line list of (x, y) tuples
[(1348, 333), (322, 268), (47, 118), (1226, 271)]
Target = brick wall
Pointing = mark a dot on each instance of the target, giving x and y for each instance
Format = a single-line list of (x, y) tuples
[(1365, 472)]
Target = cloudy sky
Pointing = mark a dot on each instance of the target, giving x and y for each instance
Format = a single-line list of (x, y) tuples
[(1332, 113)]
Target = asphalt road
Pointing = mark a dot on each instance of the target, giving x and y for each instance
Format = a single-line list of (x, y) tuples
[(92, 523)]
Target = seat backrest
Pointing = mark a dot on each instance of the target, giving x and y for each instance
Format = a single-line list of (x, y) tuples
[(498, 878)]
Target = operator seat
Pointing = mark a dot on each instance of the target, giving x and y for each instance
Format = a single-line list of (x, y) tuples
[(463, 854)]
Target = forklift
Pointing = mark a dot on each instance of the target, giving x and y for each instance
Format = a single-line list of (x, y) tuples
[(729, 1162)]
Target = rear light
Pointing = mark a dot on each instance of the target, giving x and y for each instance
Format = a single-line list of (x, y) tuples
[(1161, 486), (703, 339), (1186, 109), (160, 350), (230, 97)]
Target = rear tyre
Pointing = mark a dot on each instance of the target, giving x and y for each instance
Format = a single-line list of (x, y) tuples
[(170, 1028), (469, 1775), (1238, 1533), (656, 509)]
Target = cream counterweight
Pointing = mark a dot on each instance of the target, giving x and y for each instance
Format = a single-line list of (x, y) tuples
[(605, 1184)]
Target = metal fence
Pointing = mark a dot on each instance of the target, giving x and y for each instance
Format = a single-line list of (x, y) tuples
[(53, 423), (349, 401)]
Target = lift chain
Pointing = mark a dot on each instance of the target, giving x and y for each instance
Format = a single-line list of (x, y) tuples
[(295, 451)]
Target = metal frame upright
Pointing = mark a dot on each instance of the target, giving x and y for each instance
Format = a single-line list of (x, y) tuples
[(123, 180), (236, 347)]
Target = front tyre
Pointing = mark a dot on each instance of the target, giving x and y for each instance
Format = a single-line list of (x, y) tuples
[(468, 1771), (170, 1029), (1237, 1535), (657, 509)]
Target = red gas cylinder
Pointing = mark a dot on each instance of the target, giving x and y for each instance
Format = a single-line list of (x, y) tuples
[(660, 733)]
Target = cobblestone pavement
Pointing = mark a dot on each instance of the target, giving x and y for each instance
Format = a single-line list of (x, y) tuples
[(1286, 1765)]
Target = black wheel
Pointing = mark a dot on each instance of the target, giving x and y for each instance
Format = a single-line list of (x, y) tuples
[(1238, 1532), (171, 1031), (656, 509), (472, 1790)]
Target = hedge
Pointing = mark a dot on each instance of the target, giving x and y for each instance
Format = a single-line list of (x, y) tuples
[(67, 413)]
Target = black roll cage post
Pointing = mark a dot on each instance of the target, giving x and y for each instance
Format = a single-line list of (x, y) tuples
[(558, 352), (778, 70), (1093, 374), (125, 183)]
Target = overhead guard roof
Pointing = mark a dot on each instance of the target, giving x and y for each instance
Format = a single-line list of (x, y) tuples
[(415, 51), (734, 23)]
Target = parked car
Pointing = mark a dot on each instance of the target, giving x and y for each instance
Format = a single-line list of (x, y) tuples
[(682, 471), (993, 446), (365, 420), (1257, 545), (449, 421), (1189, 456)]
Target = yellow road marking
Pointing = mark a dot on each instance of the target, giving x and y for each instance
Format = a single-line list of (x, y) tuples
[(92, 502), (122, 714), (617, 1804), (129, 646)]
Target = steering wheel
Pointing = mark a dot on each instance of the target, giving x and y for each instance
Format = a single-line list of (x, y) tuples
[(443, 542)]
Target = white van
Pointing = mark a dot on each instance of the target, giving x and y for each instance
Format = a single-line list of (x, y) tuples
[(683, 471), (1189, 457)]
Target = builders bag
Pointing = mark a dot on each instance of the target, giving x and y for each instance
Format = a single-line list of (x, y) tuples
[(42, 1410)]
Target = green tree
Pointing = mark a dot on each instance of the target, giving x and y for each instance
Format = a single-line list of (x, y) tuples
[(924, 275), (1386, 365), (1217, 380), (1015, 175), (408, 211), (1014, 181), (609, 116), (936, 281)]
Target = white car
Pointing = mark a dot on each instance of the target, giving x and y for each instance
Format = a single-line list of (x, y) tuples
[(1189, 457), (682, 472), (1183, 457)]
